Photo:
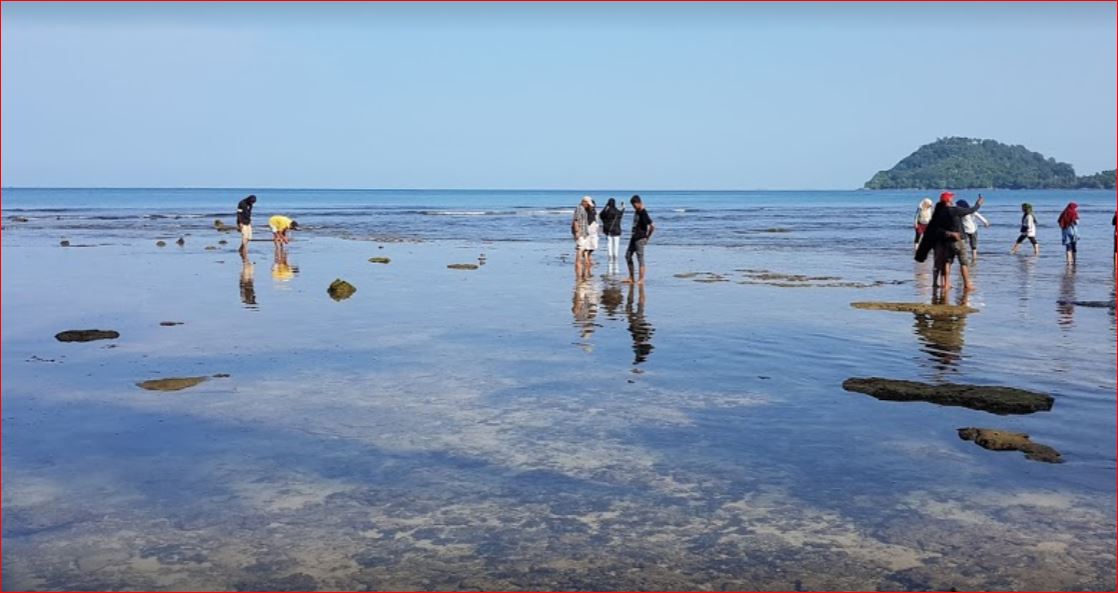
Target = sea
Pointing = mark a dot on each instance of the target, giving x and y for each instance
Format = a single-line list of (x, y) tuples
[(509, 426)]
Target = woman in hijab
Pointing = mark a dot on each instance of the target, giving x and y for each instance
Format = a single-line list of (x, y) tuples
[(920, 221), (611, 223), (1069, 230), (1028, 229)]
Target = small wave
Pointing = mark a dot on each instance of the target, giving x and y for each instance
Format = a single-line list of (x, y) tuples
[(462, 213)]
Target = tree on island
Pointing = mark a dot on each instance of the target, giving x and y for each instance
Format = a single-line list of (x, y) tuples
[(968, 163)]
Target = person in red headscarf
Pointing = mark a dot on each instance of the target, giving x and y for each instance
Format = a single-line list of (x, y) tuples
[(1069, 231)]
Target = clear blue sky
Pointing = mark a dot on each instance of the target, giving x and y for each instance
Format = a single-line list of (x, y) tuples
[(738, 96)]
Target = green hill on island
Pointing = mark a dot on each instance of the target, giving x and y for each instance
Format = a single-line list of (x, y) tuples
[(966, 163)]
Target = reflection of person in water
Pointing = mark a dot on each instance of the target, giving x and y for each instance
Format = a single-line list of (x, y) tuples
[(281, 270), (1065, 308), (639, 327), (248, 290), (611, 299), (584, 308), (942, 335)]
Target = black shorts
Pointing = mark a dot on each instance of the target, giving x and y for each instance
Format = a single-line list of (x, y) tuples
[(1023, 237)]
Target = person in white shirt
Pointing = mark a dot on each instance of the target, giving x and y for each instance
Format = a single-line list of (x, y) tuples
[(970, 229), (1028, 229)]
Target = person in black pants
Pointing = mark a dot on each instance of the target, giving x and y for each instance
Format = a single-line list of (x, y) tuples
[(642, 232)]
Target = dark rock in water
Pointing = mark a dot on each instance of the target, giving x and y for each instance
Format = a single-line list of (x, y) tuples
[(211, 247), (996, 400), (64, 243), (18, 219), (1095, 304), (776, 230), (218, 223), (462, 266), (170, 384), (222, 242), (170, 323), (160, 243), (379, 260), (221, 375), (1003, 440), (340, 290), (86, 335), (180, 242), (920, 308)]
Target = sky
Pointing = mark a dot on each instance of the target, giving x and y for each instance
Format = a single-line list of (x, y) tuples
[(540, 96)]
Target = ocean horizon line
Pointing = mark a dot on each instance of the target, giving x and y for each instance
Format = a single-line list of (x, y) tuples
[(422, 189)]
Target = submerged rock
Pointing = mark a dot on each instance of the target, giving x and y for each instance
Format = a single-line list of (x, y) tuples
[(996, 400), (160, 243), (64, 243), (379, 260), (222, 242), (340, 290), (170, 383), (920, 308), (86, 335), (18, 219), (462, 266), (1003, 440), (170, 323), (180, 242), (211, 247)]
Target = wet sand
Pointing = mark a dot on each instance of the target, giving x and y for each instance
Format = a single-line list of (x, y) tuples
[(509, 428)]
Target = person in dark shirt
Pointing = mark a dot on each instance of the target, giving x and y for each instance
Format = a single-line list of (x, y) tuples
[(945, 230), (611, 217), (642, 232), (244, 220)]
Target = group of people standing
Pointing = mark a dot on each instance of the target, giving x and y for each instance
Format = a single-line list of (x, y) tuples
[(949, 231), (279, 225), (585, 228)]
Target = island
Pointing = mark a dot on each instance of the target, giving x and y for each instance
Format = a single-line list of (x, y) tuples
[(971, 163)]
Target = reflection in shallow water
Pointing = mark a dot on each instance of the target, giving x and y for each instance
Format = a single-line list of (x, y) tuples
[(639, 327), (1065, 306), (282, 271), (248, 288), (584, 308), (612, 298), (941, 336)]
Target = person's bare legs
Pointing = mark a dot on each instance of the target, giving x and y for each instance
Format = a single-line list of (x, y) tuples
[(1036, 248), (964, 271), (629, 264)]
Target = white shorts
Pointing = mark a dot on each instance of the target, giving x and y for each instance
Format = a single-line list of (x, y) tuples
[(587, 243), (246, 232)]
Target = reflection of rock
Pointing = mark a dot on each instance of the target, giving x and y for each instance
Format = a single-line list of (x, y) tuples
[(921, 308), (171, 383), (997, 400), (1093, 304), (340, 290), (379, 260), (1001, 440), (170, 323), (86, 335), (462, 266)]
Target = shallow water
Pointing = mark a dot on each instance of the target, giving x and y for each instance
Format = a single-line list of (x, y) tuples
[(509, 428)]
